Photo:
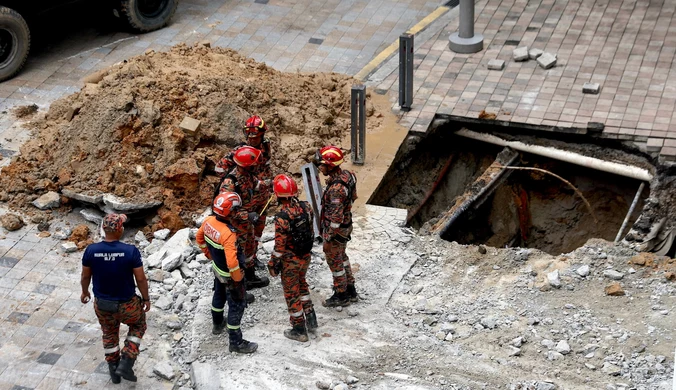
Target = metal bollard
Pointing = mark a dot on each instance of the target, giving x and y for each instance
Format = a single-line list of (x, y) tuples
[(313, 193), (358, 110), (405, 71), (465, 41)]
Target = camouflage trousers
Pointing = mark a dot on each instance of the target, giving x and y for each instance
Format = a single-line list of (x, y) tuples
[(339, 264), (296, 291), (249, 238), (131, 314)]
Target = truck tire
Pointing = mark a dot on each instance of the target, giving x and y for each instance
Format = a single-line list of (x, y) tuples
[(147, 15), (15, 42)]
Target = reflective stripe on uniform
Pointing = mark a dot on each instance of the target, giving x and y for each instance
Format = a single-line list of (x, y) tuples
[(232, 327), (203, 246), (297, 314), (339, 273), (108, 351), (217, 310), (134, 339), (219, 170), (212, 243), (220, 271), (305, 298), (335, 225)]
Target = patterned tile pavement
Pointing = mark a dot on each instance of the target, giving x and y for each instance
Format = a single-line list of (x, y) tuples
[(627, 47)]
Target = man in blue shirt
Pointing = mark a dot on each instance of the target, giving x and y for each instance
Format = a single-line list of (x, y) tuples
[(113, 266)]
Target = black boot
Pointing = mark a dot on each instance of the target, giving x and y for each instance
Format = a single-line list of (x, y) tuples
[(259, 264), (218, 328), (311, 319), (352, 293), (338, 299), (250, 298), (112, 366), (124, 369), (297, 333), (244, 347), (253, 281)]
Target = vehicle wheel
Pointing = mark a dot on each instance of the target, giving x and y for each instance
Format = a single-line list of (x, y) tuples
[(15, 41), (147, 15)]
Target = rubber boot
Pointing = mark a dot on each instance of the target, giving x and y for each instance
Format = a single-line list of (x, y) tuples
[(250, 298), (311, 319), (253, 281), (244, 347), (352, 293), (297, 333), (124, 369), (338, 299), (218, 328), (113, 376)]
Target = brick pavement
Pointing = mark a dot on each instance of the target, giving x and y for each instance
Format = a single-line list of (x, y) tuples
[(626, 46)]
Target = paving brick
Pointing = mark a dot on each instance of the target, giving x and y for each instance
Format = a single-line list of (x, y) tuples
[(496, 64)]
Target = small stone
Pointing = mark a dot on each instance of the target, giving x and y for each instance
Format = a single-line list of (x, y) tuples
[(549, 344), (178, 336), (614, 290), (44, 234), (139, 237), (350, 380), (611, 369), (323, 385), (514, 351), (583, 270), (205, 44), (43, 227), (670, 275), (164, 303), (449, 337), (554, 279), (47, 201), (341, 386), (416, 289), (452, 318), (202, 259), (520, 53), (164, 370), (547, 60), (496, 64), (429, 321), (612, 274), (162, 234), (534, 54), (189, 124), (553, 355), (563, 347), (339, 309), (174, 325), (590, 366), (488, 322), (517, 342), (11, 222), (482, 249), (69, 247), (157, 275), (62, 233), (533, 321), (592, 88), (441, 335), (352, 312)]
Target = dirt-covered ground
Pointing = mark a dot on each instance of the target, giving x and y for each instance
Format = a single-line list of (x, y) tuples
[(121, 134)]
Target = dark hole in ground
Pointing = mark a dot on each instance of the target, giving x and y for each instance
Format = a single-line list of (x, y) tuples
[(529, 209)]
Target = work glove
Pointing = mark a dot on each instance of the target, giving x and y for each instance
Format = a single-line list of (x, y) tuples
[(238, 291), (253, 217)]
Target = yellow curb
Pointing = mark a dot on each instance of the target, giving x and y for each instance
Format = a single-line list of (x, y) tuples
[(388, 51)]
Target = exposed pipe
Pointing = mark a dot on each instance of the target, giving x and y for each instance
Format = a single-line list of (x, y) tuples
[(562, 155), (441, 175), (631, 210)]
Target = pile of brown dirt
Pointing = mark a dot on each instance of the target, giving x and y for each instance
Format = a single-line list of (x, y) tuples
[(122, 135)]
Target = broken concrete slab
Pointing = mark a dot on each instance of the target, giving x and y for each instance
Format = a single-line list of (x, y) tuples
[(199, 219), (496, 65), (178, 245), (92, 215), (189, 124), (534, 54), (69, 247), (162, 234), (47, 201), (164, 370), (591, 88), (171, 262), (547, 61), (203, 375), (520, 54), (121, 204), (95, 198)]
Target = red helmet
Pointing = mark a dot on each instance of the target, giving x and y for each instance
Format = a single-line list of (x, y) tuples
[(329, 155), (225, 202), (246, 156), (255, 126), (284, 186)]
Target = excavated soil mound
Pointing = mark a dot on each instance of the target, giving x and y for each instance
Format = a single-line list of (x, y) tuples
[(121, 136)]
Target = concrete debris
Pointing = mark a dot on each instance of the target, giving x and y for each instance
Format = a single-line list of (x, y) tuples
[(547, 60), (92, 215), (164, 303), (189, 125), (496, 64), (323, 385), (350, 380), (165, 371), (172, 252), (554, 279), (199, 219), (162, 234), (562, 347), (69, 247), (62, 233), (140, 237), (591, 88), (202, 259), (11, 222), (582, 270), (612, 274), (86, 198), (50, 200), (611, 369), (534, 54), (122, 205), (520, 54)]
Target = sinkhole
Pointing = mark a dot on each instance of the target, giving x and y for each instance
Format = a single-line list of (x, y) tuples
[(457, 187)]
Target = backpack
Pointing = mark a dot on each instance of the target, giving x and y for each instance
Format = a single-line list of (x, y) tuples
[(302, 232)]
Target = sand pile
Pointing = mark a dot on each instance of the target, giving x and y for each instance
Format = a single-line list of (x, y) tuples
[(121, 135)]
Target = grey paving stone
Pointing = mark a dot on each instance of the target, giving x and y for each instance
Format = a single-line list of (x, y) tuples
[(44, 288), (17, 387), (18, 317), (8, 262), (73, 326), (48, 358)]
